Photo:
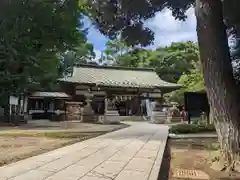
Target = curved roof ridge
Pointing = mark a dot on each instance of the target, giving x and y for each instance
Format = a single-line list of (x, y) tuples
[(120, 77), (114, 67)]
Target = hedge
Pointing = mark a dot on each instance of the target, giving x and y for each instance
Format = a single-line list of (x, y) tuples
[(191, 128)]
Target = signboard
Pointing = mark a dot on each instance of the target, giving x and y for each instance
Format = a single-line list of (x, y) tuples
[(13, 100)]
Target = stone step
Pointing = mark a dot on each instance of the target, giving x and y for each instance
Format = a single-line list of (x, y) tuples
[(112, 113)]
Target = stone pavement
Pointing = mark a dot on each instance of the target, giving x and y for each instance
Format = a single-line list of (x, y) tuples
[(133, 153)]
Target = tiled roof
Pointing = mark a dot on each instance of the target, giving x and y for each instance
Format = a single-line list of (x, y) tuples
[(117, 77), (50, 94)]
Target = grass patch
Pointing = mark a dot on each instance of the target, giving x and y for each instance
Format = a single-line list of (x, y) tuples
[(213, 146), (196, 143), (191, 128)]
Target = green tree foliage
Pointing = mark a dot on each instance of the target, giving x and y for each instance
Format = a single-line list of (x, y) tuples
[(127, 17), (137, 57), (114, 49), (231, 13), (32, 34), (170, 62), (192, 82), (82, 54), (174, 60)]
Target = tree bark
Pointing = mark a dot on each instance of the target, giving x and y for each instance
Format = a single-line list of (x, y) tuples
[(222, 89)]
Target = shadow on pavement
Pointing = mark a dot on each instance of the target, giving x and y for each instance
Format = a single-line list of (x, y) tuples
[(166, 163)]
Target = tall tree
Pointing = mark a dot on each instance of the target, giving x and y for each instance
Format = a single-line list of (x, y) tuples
[(170, 62), (84, 52), (173, 61), (136, 57), (222, 89), (32, 34), (114, 49), (192, 81)]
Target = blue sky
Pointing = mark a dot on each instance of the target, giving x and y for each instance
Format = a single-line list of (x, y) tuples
[(165, 27)]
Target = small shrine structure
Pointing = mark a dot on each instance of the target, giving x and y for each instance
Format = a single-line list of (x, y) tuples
[(112, 92)]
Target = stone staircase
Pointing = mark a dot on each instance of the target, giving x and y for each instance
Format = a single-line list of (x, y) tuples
[(171, 119), (159, 117), (111, 117)]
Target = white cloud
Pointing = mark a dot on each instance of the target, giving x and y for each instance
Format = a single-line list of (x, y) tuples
[(168, 30), (98, 54)]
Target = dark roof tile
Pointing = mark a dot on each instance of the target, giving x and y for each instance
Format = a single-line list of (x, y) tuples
[(118, 77)]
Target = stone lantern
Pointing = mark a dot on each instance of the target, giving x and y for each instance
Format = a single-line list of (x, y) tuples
[(174, 114), (88, 114)]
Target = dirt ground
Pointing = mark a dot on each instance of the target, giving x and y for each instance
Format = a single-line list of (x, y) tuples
[(13, 149), (195, 155), (37, 137)]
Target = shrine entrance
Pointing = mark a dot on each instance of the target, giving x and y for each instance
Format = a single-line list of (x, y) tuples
[(122, 108), (98, 105), (128, 105)]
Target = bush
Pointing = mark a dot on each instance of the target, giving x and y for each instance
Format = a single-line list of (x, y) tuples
[(191, 128)]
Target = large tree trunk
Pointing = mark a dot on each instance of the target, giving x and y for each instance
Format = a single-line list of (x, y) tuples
[(222, 89)]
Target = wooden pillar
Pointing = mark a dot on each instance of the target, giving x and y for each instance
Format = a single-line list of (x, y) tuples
[(161, 101), (106, 104)]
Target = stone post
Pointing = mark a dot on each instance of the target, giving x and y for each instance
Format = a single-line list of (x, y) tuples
[(111, 115), (158, 116), (88, 115)]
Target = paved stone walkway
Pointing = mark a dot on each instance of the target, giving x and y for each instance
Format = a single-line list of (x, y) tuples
[(133, 153)]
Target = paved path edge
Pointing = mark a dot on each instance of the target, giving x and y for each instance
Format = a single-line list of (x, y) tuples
[(191, 136), (155, 172)]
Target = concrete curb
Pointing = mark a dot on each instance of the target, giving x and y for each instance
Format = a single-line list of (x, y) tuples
[(156, 168), (191, 136)]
